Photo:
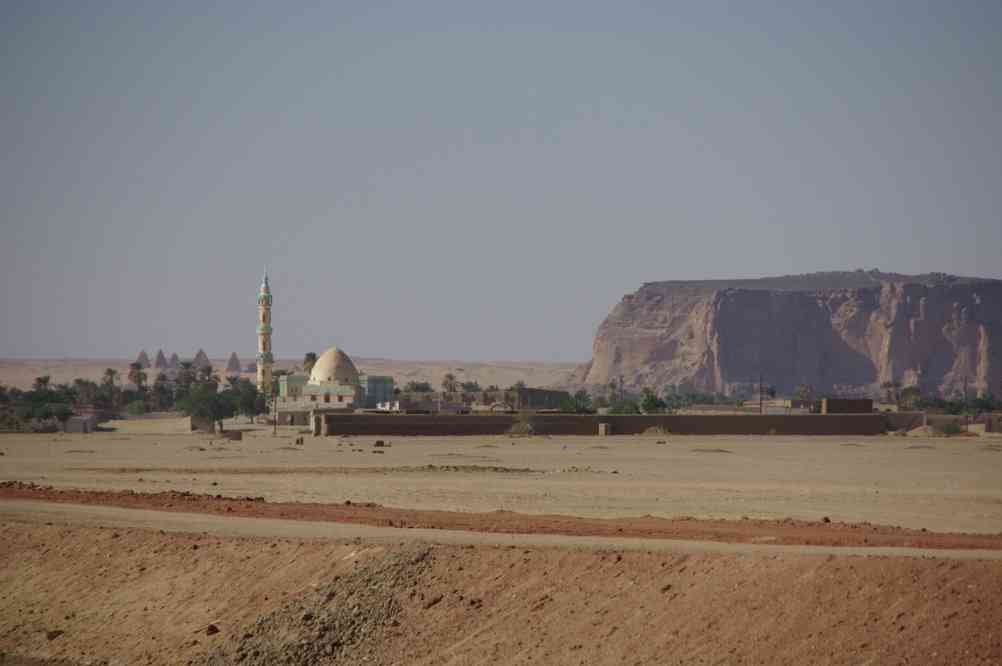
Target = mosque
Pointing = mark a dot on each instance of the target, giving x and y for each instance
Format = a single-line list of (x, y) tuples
[(333, 383)]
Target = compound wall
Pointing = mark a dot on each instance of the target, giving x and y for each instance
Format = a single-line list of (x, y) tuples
[(587, 424)]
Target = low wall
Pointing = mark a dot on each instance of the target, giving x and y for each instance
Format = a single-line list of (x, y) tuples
[(587, 424), (294, 418)]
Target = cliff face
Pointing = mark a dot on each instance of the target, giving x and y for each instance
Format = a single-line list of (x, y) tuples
[(833, 331)]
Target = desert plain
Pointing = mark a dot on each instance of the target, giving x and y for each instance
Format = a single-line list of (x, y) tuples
[(146, 543)]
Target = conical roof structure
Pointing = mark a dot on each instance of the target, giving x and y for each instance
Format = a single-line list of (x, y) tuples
[(200, 360), (143, 360), (174, 363), (233, 365), (161, 361)]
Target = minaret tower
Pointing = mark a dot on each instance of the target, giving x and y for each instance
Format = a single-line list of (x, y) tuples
[(264, 357)]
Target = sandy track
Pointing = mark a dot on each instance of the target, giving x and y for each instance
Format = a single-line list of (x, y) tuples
[(37, 512), (788, 531)]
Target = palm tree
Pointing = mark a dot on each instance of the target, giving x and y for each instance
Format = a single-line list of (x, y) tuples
[(205, 374), (163, 394), (41, 384), (110, 377), (449, 383), (137, 376), (309, 360), (108, 386)]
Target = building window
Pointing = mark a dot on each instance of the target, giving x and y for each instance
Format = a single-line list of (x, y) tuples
[(313, 398), (340, 398), (327, 397)]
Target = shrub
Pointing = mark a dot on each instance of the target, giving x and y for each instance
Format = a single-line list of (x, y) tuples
[(951, 428), (625, 407), (136, 408)]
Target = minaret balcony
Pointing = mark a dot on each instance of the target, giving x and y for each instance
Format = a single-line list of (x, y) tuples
[(264, 328)]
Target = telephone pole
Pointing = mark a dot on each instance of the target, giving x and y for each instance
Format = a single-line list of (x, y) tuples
[(761, 404)]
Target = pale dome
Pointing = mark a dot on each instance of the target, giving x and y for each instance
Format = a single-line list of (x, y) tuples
[(334, 366)]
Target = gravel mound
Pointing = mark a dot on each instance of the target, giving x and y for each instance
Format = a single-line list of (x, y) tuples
[(342, 622)]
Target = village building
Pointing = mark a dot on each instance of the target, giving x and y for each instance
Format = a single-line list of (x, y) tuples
[(333, 382)]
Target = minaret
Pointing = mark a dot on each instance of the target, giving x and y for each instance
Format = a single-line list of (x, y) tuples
[(264, 357)]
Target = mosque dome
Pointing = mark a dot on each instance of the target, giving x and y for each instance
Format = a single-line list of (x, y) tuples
[(334, 366)]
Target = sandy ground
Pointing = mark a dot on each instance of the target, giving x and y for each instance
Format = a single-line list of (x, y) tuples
[(86, 595), (21, 373), (269, 564), (941, 485)]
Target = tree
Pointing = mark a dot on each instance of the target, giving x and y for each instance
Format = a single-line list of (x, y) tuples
[(910, 398), (110, 392), (247, 400), (471, 387), (579, 403), (62, 412), (650, 403), (204, 400), (137, 376), (205, 374), (519, 385), (449, 383), (417, 387), (184, 380), (804, 392), (41, 384), (87, 392), (136, 407), (624, 407), (163, 393), (309, 360)]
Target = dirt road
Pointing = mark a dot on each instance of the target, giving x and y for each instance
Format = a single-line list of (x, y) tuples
[(36, 512)]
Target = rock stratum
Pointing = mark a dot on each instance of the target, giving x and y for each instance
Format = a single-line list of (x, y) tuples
[(839, 331)]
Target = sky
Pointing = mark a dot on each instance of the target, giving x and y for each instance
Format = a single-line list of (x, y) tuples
[(472, 180)]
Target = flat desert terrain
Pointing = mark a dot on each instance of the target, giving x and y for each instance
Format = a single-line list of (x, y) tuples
[(149, 544), (939, 484)]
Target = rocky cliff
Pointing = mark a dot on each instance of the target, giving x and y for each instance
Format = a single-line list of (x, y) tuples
[(834, 331)]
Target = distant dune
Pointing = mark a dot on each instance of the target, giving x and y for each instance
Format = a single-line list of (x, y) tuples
[(21, 373)]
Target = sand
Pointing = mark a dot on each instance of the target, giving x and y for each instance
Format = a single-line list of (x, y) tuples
[(119, 565), (131, 596), (941, 485)]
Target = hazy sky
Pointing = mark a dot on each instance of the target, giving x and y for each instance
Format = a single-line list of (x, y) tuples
[(472, 180)]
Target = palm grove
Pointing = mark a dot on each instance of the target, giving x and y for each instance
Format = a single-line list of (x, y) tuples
[(191, 391)]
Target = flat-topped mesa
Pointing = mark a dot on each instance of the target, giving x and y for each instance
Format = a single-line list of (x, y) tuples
[(822, 281), (839, 331)]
